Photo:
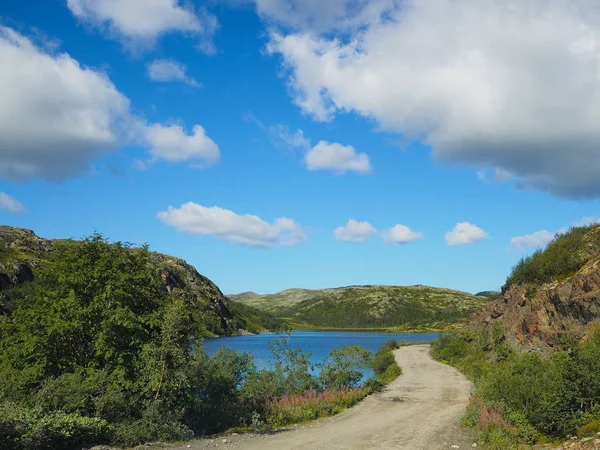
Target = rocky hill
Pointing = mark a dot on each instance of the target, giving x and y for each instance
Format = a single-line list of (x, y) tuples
[(550, 296), (387, 307), (22, 253)]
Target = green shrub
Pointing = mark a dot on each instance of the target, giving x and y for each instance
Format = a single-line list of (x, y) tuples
[(535, 395), (22, 428), (373, 385), (384, 363), (589, 430), (564, 256), (342, 368)]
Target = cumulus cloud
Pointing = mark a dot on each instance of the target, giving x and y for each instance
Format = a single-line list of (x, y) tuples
[(166, 70), (508, 86), (355, 231), (538, 239), (10, 204), (337, 157), (173, 144), (136, 22), (57, 116), (465, 233), (228, 226), (401, 234)]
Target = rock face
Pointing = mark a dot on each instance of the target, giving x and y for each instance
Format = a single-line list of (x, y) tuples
[(21, 251), (541, 316)]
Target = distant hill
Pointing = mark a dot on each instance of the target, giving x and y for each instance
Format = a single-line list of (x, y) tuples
[(22, 253), (354, 307), (487, 294), (242, 295)]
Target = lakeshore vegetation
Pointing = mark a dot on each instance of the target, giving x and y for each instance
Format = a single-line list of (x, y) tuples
[(95, 350)]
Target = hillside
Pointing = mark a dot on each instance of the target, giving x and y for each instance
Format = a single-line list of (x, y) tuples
[(388, 307), (533, 352), (22, 254), (550, 296)]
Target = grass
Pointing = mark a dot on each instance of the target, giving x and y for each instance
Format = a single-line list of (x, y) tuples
[(312, 405)]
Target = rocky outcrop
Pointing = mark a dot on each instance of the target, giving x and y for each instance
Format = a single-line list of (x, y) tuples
[(21, 252), (539, 316)]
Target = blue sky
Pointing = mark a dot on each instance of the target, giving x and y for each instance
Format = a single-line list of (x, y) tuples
[(371, 142)]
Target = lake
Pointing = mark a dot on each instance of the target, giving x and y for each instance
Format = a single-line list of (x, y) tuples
[(320, 343)]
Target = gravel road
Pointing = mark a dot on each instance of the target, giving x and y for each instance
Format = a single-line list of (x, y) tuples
[(420, 410)]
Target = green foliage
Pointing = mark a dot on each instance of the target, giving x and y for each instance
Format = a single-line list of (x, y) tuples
[(384, 363), (32, 429), (562, 258), (97, 350), (293, 367), (341, 369), (533, 395)]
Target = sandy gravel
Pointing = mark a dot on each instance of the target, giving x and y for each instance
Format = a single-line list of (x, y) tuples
[(420, 410)]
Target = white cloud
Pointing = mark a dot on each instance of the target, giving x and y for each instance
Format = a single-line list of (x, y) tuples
[(166, 70), (337, 157), (57, 116), (465, 233), (538, 239), (401, 234), (228, 226), (355, 231), (136, 22), (509, 85), (10, 204), (586, 221), (281, 135), (321, 15), (172, 144)]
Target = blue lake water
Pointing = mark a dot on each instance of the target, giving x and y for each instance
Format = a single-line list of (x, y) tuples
[(319, 343)]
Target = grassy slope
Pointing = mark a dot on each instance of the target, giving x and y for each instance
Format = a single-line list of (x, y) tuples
[(376, 307)]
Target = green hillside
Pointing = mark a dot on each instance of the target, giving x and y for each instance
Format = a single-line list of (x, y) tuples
[(387, 307), (25, 256)]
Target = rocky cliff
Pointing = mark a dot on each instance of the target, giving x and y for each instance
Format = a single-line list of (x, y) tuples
[(535, 315), (22, 253)]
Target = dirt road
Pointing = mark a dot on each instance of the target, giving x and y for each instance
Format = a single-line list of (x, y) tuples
[(420, 410)]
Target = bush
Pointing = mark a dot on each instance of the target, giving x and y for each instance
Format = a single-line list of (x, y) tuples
[(564, 256), (384, 363), (535, 396), (22, 428), (341, 369)]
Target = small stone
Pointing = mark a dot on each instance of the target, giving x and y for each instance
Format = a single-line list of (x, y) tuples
[(456, 446), (474, 444), (225, 441), (234, 434)]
